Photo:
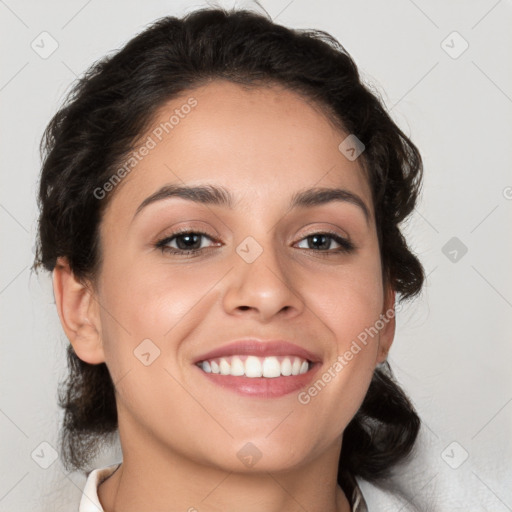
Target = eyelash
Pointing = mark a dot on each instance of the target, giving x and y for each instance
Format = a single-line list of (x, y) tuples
[(346, 247)]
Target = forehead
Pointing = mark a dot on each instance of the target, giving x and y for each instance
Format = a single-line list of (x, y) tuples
[(264, 143)]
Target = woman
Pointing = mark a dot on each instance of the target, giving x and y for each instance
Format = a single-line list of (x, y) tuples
[(220, 209)]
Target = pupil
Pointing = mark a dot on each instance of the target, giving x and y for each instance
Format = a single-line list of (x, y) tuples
[(315, 239), (189, 241)]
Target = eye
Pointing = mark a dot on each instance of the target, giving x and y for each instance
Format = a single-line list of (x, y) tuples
[(321, 242), (184, 243), (190, 243)]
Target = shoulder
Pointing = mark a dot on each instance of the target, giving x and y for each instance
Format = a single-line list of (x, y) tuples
[(90, 501)]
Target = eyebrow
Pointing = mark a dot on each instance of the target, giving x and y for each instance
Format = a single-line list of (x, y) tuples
[(220, 196)]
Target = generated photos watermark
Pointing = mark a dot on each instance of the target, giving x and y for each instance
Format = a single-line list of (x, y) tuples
[(304, 397)]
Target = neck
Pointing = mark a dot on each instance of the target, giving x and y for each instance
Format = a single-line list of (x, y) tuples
[(156, 478)]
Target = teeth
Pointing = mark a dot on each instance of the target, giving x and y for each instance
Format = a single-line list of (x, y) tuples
[(225, 367), (295, 366), (252, 366), (271, 367), (286, 367), (237, 366)]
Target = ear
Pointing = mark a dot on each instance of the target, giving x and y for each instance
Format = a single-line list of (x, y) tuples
[(78, 312), (387, 333)]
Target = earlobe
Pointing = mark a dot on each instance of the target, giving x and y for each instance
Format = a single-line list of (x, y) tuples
[(387, 332), (78, 313)]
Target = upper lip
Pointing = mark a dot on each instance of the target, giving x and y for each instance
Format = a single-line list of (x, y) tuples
[(259, 347)]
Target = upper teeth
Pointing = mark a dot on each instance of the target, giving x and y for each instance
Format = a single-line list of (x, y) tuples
[(252, 366)]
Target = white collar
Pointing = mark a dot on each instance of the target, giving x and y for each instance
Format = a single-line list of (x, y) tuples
[(90, 501)]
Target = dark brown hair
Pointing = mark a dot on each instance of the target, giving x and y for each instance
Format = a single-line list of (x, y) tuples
[(113, 104)]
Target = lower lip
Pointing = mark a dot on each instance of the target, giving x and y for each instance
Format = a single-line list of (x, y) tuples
[(262, 387)]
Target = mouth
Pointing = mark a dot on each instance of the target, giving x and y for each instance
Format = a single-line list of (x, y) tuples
[(261, 369)]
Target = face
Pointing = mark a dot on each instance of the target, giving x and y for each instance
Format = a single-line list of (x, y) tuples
[(272, 283)]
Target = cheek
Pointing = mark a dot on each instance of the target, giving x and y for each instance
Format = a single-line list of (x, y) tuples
[(349, 299), (156, 302)]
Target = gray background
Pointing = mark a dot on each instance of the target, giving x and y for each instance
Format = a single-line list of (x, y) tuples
[(452, 350)]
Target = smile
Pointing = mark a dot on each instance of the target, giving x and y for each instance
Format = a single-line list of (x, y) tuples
[(253, 366), (259, 368)]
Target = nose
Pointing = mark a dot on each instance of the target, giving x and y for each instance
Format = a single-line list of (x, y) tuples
[(263, 287)]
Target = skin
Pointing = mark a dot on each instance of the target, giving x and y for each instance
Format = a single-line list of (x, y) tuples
[(180, 433)]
